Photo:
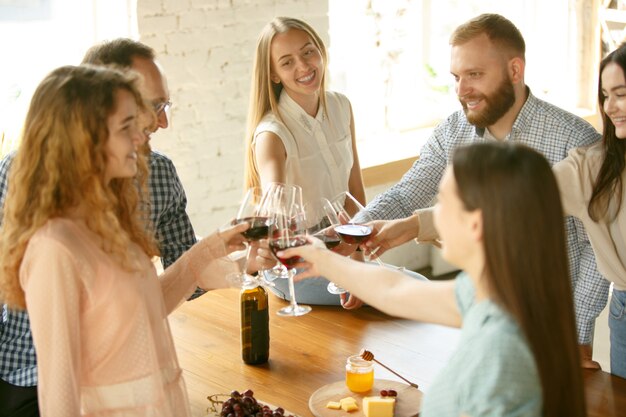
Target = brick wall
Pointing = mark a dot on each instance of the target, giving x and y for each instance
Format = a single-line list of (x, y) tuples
[(206, 49)]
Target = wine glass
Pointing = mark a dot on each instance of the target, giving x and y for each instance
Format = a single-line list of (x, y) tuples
[(353, 217), (287, 230), (321, 221), (280, 196), (253, 209)]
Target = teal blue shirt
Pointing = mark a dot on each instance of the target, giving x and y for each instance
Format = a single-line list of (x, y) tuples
[(492, 373)]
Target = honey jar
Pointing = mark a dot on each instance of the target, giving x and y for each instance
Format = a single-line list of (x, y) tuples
[(359, 374)]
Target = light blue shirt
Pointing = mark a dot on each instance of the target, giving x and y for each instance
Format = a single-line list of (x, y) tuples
[(492, 373)]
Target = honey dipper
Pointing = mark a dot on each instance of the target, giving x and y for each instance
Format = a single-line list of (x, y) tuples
[(369, 356)]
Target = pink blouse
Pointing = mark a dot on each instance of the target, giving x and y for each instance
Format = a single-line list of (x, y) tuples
[(101, 333)]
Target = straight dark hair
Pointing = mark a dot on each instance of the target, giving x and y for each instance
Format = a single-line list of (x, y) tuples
[(526, 267), (608, 184)]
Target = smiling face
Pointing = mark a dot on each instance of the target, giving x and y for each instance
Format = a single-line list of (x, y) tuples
[(297, 64), (124, 138), (614, 93), (482, 82), (153, 88)]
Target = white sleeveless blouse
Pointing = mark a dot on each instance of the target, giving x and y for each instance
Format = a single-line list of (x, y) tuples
[(319, 149)]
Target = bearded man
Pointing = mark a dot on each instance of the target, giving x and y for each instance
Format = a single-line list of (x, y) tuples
[(487, 63)]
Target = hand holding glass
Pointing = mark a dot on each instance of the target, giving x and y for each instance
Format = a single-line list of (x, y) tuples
[(322, 223), (353, 217), (254, 209), (280, 197), (287, 231)]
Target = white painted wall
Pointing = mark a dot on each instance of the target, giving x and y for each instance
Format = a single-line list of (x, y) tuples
[(206, 48)]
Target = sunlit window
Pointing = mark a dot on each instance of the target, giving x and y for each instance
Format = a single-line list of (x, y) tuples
[(391, 58), (41, 35)]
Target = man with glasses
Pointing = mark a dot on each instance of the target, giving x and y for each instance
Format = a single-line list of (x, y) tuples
[(167, 196), (173, 229)]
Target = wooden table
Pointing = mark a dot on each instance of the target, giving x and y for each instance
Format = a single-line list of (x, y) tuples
[(309, 352)]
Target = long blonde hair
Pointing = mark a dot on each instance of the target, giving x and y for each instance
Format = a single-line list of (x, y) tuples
[(61, 163), (264, 93)]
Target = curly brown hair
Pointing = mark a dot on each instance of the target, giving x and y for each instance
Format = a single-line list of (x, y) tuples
[(61, 164)]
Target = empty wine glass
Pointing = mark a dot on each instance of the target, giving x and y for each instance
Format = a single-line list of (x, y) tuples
[(287, 230), (321, 221), (353, 217), (254, 209)]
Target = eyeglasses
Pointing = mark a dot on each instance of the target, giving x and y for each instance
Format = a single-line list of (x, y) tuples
[(161, 107)]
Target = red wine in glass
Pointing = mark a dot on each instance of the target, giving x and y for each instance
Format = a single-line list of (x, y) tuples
[(354, 234), (286, 243), (330, 241), (259, 227)]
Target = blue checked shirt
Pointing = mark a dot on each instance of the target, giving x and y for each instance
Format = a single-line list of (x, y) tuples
[(543, 127), (174, 232)]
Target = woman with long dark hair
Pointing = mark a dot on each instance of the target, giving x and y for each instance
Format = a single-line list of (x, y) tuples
[(499, 217)]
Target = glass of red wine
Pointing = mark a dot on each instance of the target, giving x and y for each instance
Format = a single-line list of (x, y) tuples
[(322, 221), (280, 197), (353, 218), (254, 209), (287, 230)]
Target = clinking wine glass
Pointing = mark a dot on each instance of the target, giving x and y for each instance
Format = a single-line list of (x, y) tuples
[(322, 220), (287, 231), (353, 217), (254, 209), (280, 197)]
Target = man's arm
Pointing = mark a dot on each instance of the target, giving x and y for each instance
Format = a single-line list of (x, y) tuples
[(418, 187), (590, 288), (18, 363), (173, 228)]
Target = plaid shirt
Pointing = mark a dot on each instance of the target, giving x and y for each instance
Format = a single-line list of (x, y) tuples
[(18, 363), (543, 127)]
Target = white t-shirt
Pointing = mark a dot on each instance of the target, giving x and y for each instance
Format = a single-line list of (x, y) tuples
[(319, 149)]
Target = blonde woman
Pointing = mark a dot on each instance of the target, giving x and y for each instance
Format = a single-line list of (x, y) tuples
[(75, 254), (299, 132)]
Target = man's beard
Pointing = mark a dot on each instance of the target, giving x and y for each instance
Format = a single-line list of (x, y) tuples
[(497, 104)]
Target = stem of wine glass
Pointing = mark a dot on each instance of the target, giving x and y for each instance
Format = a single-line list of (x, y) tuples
[(377, 259), (245, 262), (294, 309), (292, 289)]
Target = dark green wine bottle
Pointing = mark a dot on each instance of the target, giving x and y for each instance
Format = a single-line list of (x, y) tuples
[(255, 326)]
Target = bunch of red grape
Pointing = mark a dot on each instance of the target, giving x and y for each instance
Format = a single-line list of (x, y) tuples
[(245, 405)]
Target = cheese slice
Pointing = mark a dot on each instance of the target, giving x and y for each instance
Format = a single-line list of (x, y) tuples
[(333, 405), (348, 404), (378, 406), (349, 407)]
